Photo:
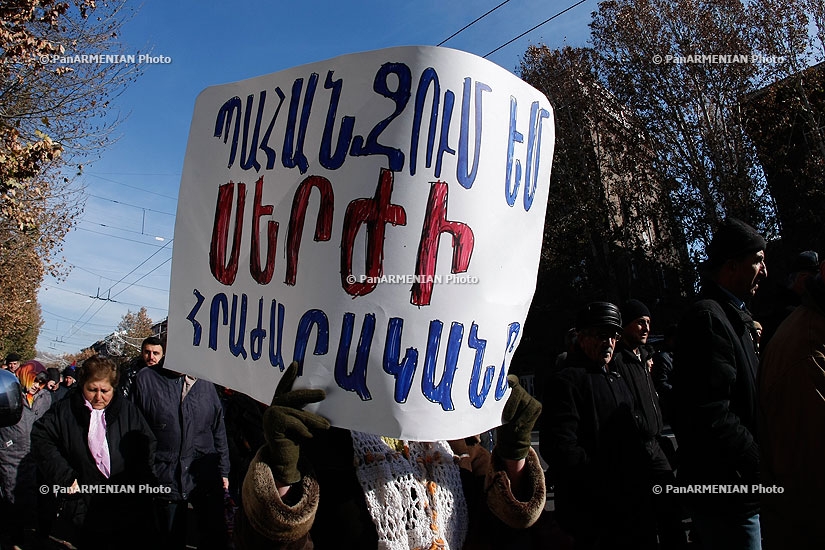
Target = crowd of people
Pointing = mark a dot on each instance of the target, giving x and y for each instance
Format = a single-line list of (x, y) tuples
[(744, 399), (142, 425), (114, 456), (745, 404)]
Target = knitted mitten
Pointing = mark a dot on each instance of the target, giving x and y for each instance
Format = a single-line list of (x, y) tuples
[(286, 424), (520, 414)]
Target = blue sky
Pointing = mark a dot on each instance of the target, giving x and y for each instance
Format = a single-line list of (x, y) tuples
[(132, 187)]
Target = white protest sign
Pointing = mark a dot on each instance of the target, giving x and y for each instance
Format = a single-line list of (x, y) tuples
[(377, 217)]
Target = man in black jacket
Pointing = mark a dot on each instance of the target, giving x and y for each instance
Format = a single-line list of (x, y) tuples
[(151, 354), (633, 361), (589, 437), (714, 391)]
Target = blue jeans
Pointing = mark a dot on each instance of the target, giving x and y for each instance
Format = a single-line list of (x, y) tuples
[(719, 532)]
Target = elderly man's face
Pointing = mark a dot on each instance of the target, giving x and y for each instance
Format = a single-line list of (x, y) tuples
[(598, 343), (743, 275)]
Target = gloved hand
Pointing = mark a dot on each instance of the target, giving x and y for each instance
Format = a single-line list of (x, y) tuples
[(520, 414), (285, 425)]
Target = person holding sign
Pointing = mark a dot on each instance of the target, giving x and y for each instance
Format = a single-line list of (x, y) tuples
[(313, 485), (393, 156)]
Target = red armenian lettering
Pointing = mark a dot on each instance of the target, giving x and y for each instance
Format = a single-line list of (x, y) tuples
[(323, 226), (262, 275), (436, 223), (375, 213), (223, 272)]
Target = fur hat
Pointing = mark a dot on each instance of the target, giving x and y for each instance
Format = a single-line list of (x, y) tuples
[(733, 239)]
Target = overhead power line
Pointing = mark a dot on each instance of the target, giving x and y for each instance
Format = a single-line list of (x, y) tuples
[(76, 328), (141, 264), (116, 228), (141, 189), (132, 205), (110, 279), (121, 238), (468, 25), (86, 295), (565, 10), (130, 285), (63, 317)]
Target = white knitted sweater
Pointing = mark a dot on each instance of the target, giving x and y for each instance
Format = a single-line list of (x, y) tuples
[(414, 495)]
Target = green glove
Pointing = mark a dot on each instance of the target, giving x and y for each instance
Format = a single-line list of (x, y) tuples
[(285, 425), (520, 414)]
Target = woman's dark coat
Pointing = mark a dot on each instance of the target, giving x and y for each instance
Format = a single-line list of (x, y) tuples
[(60, 445)]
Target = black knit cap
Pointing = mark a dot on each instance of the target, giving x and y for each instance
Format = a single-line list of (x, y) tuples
[(733, 239), (12, 357), (599, 314), (807, 261), (634, 309)]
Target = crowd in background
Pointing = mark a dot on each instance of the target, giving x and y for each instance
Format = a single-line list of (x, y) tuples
[(741, 468), (744, 399), (115, 456)]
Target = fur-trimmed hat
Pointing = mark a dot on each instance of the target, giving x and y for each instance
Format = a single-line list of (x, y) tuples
[(733, 239)]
